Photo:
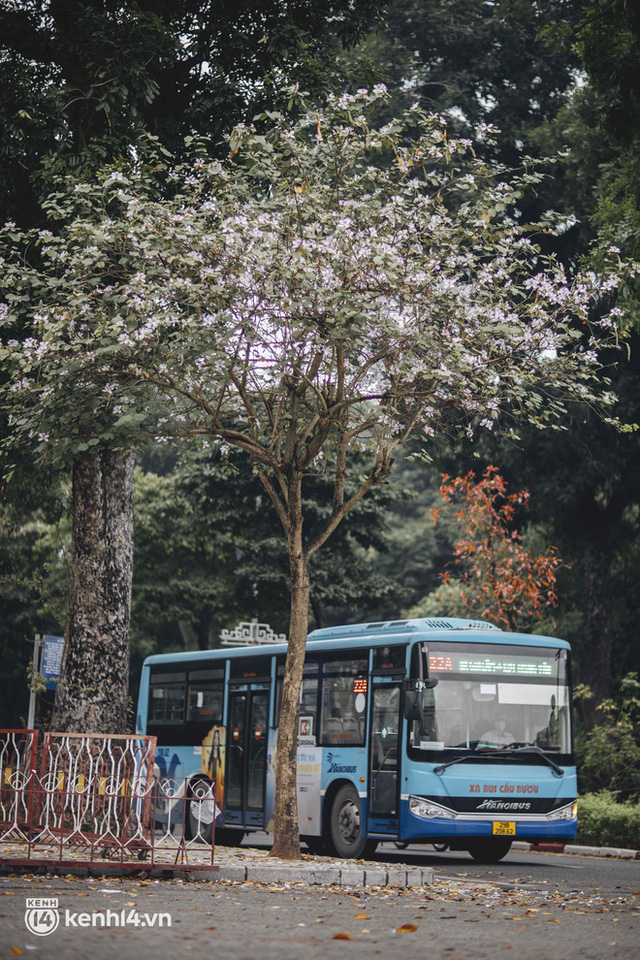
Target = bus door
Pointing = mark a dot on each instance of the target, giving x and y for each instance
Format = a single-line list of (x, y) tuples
[(384, 757), (247, 736)]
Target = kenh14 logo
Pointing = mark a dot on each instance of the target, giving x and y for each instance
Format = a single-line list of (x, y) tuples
[(41, 915)]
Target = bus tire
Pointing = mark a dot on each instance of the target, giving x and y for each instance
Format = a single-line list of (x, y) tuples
[(345, 825), (200, 811), (489, 850)]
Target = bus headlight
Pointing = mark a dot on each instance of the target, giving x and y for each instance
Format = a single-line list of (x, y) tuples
[(420, 807), (570, 812)]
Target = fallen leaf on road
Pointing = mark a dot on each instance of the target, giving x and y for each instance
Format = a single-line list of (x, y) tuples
[(342, 936), (407, 928)]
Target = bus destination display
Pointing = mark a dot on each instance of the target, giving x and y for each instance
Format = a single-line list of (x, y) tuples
[(490, 664)]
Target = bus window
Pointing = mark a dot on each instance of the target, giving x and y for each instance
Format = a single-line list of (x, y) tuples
[(344, 702), (387, 660), (205, 702), (167, 699), (308, 699), (308, 717)]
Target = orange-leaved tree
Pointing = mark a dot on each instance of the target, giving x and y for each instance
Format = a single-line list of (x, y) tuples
[(500, 579)]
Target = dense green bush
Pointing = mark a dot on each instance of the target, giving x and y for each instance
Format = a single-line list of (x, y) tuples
[(608, 754), (603, 822)]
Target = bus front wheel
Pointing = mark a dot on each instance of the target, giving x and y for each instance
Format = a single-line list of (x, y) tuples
[(489, 850), (345, 825)]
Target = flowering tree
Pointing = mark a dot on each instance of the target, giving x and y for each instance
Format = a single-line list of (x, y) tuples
[(500, 579), (329, 291), (86, 83)]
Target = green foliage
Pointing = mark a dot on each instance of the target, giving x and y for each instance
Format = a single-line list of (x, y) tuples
[(34, 548), (608, 41), (84, 82), (605, 822), (446, 600), (609, 754), (478, 64), (209, 552), (412, 556)]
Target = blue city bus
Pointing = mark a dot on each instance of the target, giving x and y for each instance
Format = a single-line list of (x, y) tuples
[(443, 731)]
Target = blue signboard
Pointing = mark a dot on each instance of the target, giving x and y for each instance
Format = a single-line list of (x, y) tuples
[(52, 660)]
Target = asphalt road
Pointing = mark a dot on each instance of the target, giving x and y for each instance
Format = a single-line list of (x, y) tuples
[(541, 872), (531, 907)]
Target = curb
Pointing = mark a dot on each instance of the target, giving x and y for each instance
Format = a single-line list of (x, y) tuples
[(343, 876), (578, 850), (376, 875), (75, 868)]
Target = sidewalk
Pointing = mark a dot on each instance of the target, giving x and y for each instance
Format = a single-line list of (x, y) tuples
[(232, 864)]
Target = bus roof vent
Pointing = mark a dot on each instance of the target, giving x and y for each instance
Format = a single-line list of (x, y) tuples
[(398, 627), (365, 629), (455, 623)]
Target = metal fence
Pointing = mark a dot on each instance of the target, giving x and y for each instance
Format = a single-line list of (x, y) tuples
[(92, 800)]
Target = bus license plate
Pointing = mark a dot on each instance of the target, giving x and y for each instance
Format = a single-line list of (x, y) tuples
[(504, 828)]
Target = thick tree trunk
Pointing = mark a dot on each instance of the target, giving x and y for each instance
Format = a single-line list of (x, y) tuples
[(598, 617), (597, 525), (93, 692), (285, 819)]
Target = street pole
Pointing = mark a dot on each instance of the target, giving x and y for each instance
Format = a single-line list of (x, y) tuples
[(37, 647)]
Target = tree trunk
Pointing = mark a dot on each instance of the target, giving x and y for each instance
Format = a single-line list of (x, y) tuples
[(598, 617), (597, 525), (93, 692), (317, 613), (189, 635), (285, 818)]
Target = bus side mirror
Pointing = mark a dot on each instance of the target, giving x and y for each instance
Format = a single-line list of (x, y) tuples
[(412, 709)]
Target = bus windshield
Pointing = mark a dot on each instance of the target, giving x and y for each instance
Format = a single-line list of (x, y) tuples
[(481, 697)]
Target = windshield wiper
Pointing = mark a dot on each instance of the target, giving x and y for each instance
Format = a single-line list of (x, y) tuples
[(530, 748), (501, 754)]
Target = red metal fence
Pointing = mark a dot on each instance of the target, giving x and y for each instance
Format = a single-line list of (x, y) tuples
[(92, 800), (18, 756)]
